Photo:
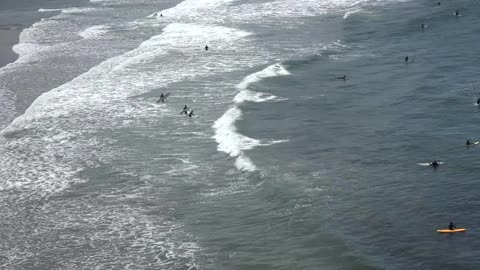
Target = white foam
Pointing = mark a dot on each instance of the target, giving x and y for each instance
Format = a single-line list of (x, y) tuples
[(247, 95), (52, 140), (197, 10), (274, 70), (72, 10), (94, 32), (226, 135), (244, 163), (50, 9), (350, 12)]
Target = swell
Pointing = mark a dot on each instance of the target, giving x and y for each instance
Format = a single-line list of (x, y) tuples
[(228, 138)]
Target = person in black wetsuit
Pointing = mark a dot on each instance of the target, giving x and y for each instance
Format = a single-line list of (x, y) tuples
[(206, 47), (344, 77), (434, 164), (423, 26), (451, 226), (184, 111), (457, 13), (478, 101), (161, 99), (406, 59), (468, 142), (190, 114)]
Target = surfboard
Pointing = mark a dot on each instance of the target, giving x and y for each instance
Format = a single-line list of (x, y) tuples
[(429, 164), (162, 99), (451, 231)]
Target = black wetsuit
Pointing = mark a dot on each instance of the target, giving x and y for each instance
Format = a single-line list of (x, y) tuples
[(190, 114), (478, 101), (206, 47), (406, 59), (451, 226), (468, 142), (434, 164)]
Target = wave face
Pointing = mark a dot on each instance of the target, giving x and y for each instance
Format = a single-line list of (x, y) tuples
[(226, 134)]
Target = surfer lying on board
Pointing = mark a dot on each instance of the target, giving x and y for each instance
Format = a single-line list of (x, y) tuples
[(344, 77), (468, 142), (434, 164), (451, 226)]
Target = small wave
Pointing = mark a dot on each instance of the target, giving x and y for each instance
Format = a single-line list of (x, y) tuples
[(232, 142), (226, 135), (350, 12), (94, 32), (49, 9), (247, 95), (271, 71), (66, 10)]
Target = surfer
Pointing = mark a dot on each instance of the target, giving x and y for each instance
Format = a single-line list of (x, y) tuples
[(457, 13), (184, 111), (190, 114), (468, 142), (478, 101), (423, 26), (406, 59), (206, 47), (434, 164), (344, 77), (451, 226), (162, 98), (438, 3), (161, 15)]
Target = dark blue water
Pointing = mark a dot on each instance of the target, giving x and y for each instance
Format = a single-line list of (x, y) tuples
[(366, 135)]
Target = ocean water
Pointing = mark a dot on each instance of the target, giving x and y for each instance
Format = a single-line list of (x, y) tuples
[(282, 166)]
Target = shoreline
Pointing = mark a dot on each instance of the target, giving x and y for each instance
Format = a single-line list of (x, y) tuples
[(15, 17), (8, 38)]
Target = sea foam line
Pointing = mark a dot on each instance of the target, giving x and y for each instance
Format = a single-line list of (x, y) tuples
[(94, 31), (226, 135)]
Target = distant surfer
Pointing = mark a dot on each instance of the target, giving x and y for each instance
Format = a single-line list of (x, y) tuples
[(457, 13), (184, 111), (162, 98), (423, 26), (406, 59), (206, 47), (478, 101), (451, 226), (438, 3), (344, 77), (190, 114), (468, 142), (434, 164), (161, 15)]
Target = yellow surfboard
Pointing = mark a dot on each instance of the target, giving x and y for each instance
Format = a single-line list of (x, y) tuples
[(451, 231)]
